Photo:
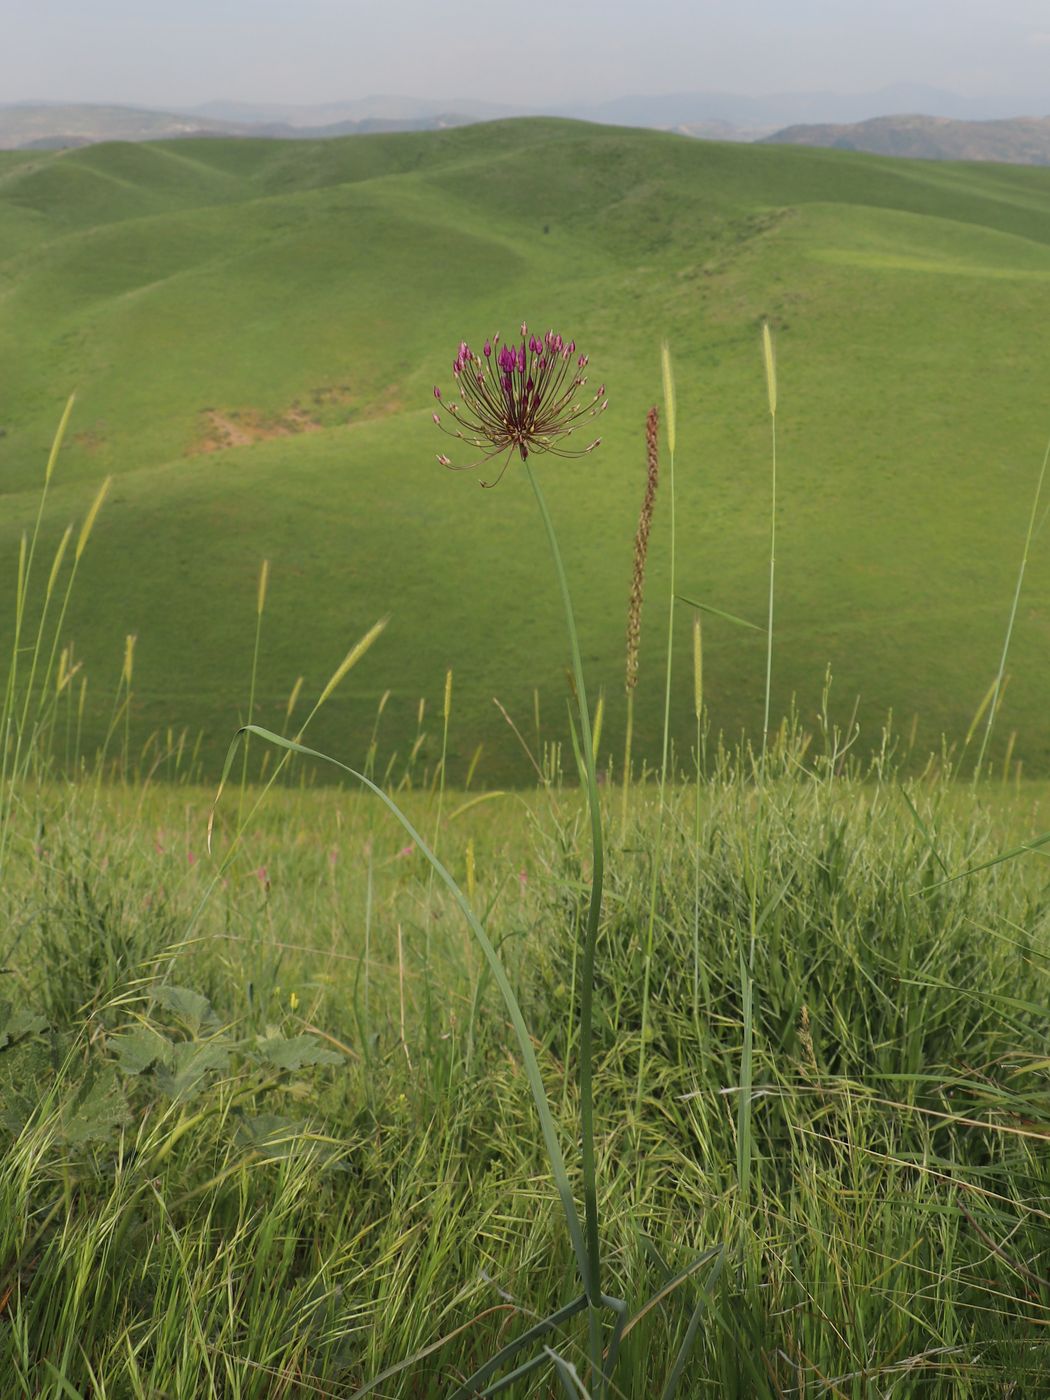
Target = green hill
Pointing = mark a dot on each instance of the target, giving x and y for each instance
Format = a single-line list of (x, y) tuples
[(254, 328)]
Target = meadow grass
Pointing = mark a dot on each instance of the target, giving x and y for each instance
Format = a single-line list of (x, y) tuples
[(292, 1153)]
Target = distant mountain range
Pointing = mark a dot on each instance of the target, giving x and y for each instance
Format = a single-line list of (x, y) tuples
[(726, 110), (52, 126), (951, 127), (1018, 141)]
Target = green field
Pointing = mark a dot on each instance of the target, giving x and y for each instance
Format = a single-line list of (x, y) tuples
[(301, 299)]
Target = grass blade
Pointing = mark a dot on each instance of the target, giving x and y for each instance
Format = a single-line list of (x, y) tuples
[(532, 1069)]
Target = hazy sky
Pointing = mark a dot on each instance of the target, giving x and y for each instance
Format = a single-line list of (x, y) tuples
[(537, 51)]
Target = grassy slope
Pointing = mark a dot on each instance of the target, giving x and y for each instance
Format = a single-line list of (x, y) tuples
[(167, 280)]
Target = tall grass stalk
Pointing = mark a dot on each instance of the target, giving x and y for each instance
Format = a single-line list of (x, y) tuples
[(22, 727), (998, 683), (769, 361), (667, 373), (634, 610), (83, 537), (446, 714), (12, 733), (126, 679), (758, 865), (625, 783), (698, 708), (260, 608)]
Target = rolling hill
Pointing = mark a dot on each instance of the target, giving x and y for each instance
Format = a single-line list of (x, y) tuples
[(254, 329), (1018, 141)]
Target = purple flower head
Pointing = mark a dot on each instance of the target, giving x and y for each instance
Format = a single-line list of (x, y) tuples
[(533, 404)]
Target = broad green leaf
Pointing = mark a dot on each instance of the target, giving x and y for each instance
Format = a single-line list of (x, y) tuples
[(188, 1006), (16, 1022), (297, 1051), (190, 1065), (97, 1111), (137, 1050)]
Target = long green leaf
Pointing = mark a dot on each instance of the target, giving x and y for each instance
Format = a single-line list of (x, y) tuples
[(532, 1069), (926, 834), (719, 612), (1036, 845), (674, 1379)]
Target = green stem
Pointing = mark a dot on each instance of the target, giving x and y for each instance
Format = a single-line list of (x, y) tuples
[(251, 708), (627, 765), (592, 1280), (1013, 615), (772, 574), (650, 933), (670, 639)]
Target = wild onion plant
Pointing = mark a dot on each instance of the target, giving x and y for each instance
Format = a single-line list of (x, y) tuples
[(529, 399)]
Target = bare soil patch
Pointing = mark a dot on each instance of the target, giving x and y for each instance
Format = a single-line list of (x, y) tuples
[(242, 427)]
